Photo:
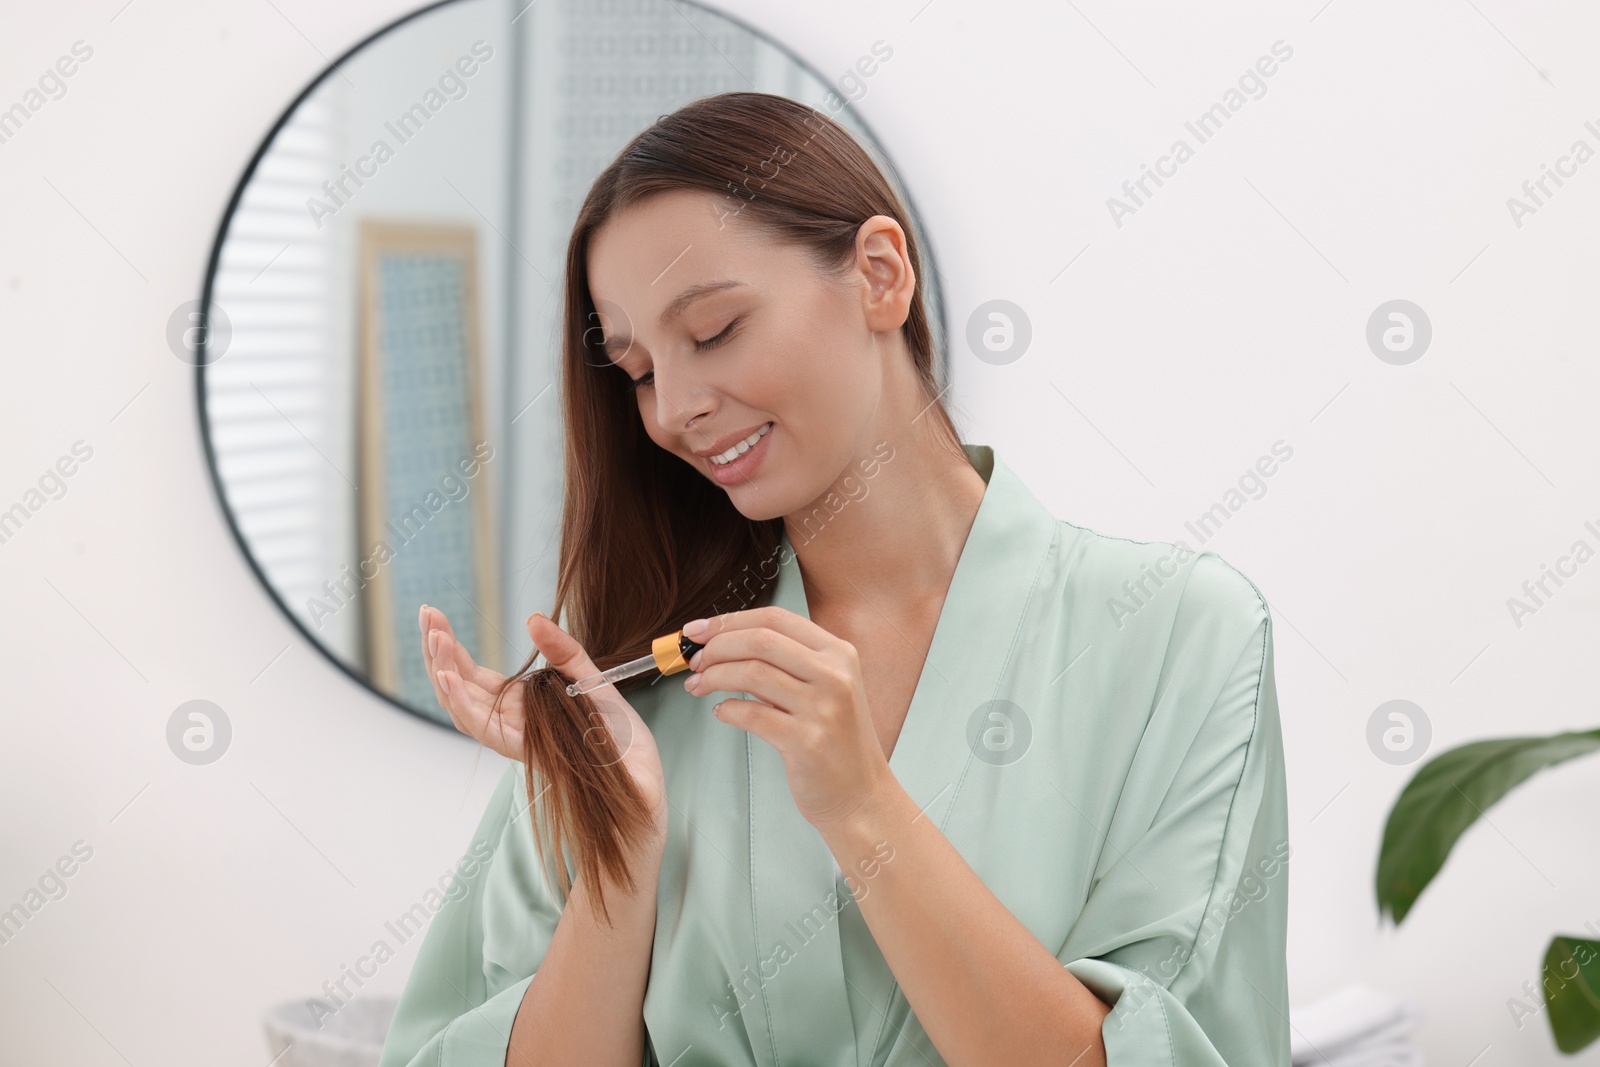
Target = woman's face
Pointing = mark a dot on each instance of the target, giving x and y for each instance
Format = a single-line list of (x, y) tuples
[(727, 334)]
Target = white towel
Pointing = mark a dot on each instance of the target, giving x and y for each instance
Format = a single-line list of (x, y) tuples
[(1355, 1026)]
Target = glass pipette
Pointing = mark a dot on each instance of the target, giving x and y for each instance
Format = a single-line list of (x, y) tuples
[(669, 654)]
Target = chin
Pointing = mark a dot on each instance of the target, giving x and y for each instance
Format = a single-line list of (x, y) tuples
[(755, 505)]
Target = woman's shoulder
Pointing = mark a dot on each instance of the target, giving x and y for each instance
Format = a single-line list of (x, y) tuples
[(1192, 587), (1183, 627)]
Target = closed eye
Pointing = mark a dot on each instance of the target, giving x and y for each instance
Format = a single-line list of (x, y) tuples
[(644, 379), (713, 342)]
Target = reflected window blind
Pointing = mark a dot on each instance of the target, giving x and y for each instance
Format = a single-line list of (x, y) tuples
[(271, 394)]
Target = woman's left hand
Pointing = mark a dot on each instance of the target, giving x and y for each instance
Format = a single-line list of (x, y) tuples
[(811, 705)]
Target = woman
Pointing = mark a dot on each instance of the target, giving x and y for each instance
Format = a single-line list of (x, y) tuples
[(952, 781)]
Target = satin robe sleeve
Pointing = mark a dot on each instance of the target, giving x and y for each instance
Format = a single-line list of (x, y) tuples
[(1183, 932), (482, 948)]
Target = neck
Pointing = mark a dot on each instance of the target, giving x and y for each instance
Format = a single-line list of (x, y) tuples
[(898, 540)]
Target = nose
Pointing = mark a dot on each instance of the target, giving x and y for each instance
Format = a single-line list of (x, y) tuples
[(682, 403)]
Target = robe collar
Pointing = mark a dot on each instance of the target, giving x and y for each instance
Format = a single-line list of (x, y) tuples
[(807, 1011)]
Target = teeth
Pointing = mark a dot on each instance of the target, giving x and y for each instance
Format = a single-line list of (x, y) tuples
[(741, 448)]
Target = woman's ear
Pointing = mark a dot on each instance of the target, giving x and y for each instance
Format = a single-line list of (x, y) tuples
[(885, 264)]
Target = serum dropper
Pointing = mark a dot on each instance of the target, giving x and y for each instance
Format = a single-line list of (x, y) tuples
[(669, 654)]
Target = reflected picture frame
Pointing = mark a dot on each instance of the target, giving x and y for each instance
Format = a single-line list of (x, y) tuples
[(417, 330)]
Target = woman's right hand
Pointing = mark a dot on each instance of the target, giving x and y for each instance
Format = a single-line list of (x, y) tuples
[(467, 691)]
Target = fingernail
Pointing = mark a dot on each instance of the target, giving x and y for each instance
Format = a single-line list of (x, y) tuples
[(694, 660), (690, 682), (695, 628), (433, 642)]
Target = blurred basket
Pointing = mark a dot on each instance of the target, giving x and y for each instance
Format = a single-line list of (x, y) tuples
[(318, 1033)]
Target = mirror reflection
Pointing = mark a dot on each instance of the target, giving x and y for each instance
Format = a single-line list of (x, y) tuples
[(378, 371)]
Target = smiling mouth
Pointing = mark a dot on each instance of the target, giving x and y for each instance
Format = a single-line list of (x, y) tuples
[(741, 448)]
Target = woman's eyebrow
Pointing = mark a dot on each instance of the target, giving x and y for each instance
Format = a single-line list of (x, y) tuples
[(693, 293), (672, 310)]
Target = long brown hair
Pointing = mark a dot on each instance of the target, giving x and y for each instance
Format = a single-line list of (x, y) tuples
[(647, 542)]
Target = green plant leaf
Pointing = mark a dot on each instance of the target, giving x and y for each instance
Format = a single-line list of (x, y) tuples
[(1572, 992), (1448, 794)]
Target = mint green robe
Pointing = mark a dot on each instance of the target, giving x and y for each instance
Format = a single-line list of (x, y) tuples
[(1127, 806)]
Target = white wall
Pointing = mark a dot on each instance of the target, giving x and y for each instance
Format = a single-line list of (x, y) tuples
[(1225, 314)]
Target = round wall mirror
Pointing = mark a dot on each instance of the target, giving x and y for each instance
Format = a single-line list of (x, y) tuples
[(377, 355)]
